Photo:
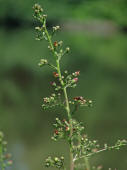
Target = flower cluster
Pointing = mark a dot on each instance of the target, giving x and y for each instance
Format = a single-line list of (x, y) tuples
[(52, 101), (71, 79), (4, 156), (84, 147), (55, 162), (42, 33), (62, 129), (81, 101), (117, 145), (81, 146), (89, 148), (38, 12), (79, 143), (56, 28)]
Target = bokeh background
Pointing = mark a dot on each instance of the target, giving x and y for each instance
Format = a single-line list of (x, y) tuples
[(96, 31)]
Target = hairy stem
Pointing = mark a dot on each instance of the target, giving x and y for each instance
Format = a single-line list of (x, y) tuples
[(67, 107)]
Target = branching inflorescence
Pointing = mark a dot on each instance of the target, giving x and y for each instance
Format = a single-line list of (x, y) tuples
[(70, 130)]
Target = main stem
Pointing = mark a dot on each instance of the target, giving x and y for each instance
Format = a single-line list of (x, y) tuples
[(67, 107)]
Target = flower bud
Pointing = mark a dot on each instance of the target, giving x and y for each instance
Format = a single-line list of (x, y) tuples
[(56, 132), (67, 128), (38, 8), (56, 159), (90, 101), (37, 28), (55, 44), (56, 28), (77, 73), (44, 16), (67, 49), (62, 158), (66, 72), (74, 80), (78, 98), (53, 83), (43, 62), (55, 74), (60, 43)]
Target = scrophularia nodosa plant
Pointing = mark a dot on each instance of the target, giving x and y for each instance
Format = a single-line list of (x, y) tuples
[(70, 130)]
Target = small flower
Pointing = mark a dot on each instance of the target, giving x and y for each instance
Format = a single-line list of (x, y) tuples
[(64, 120), (66, 72), (38, 8), (53, 83), (62, 158), (44, 16), (56, 159), (55, 74), (56, 28), (37, 28), (43, 62), (50, 48), (78, 98), (46, 100), (53, 94), (75, 80), (60, 43), (56, 132), (55, 44), (67, 128), (67, 49), (90, 101), (77, 73)]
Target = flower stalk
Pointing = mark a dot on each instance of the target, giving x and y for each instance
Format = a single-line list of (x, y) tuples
[(67, 107)]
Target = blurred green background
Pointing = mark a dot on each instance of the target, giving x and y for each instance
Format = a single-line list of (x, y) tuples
[(96, 31)]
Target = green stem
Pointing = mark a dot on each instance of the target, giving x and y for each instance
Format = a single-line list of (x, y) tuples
[(67, 107), (50, 41)]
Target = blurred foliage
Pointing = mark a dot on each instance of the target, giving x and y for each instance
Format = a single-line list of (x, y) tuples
[(101, 57), (114, 10)]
